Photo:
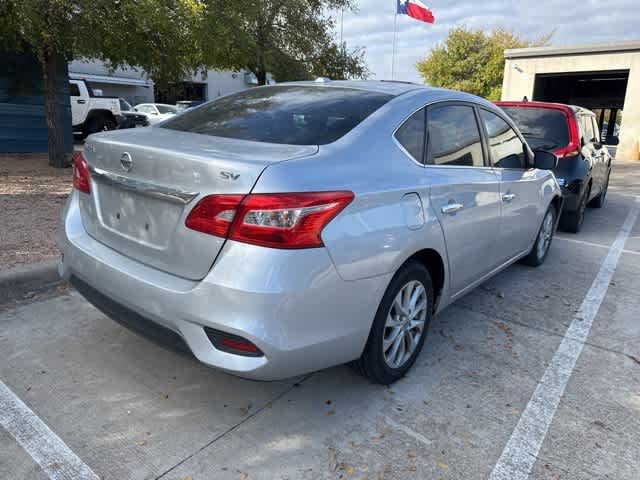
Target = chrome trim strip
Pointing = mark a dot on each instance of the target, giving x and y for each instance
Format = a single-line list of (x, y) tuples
[(148, 189)]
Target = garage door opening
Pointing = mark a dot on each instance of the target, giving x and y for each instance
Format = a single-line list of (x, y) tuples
[(601, 92)]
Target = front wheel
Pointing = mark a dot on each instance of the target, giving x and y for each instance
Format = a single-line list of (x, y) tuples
[(540, 249), (399, 327)]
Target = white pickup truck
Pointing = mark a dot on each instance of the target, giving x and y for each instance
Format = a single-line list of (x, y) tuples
[(92, 113)]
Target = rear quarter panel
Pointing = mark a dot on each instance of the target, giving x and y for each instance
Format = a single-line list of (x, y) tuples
[(373, 235)]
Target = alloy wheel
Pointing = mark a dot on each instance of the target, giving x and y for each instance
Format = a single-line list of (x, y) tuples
[(405, 324), (545, 235)]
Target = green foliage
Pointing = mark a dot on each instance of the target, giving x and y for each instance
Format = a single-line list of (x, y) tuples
[(292, 39), (472, 61), (157, 35)]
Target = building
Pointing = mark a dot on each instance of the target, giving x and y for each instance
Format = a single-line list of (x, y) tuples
[(23, 126), (133, 85), (604, 77)]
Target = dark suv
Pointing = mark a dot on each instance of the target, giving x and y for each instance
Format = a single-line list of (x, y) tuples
[(572, 134)]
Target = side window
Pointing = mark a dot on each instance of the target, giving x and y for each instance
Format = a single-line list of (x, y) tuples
[(74, 91), (594, 125), (586, 128), (506, 148), (454, 138), (411, 135)]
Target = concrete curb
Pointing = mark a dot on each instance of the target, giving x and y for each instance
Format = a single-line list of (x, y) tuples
[(19, 280)]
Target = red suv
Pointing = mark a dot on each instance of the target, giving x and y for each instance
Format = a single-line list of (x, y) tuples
[(571, 133)]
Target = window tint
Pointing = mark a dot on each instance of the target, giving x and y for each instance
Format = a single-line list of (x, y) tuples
[(586, 128), (167, 109), (74, 91), (506, 148), (296, 115), (596, 132), (124, 105), (411, 135), (454, 138), (543, 128)]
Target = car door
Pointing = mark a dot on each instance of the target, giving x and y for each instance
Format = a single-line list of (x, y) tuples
[(591, 153), (519, 186), (465, 192), (79, 103), (605, 163)]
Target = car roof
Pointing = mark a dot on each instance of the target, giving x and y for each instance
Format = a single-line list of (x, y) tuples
[(548, 105), (390, 87), (395, 88)]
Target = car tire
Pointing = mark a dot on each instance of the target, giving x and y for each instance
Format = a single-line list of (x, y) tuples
[(99, 123), (540, 250), (572, 221), (598, 202), (395, 320)]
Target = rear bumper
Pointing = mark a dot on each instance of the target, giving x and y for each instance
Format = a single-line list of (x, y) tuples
[(291, 304)]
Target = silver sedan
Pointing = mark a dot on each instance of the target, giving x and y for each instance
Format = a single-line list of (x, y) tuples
[(290, 228)]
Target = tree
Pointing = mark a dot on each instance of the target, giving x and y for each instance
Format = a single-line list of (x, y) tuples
[(157, 35), (292, 39), (472, 61)]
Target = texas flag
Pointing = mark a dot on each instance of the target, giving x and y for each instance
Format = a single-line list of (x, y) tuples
[(416, 9)]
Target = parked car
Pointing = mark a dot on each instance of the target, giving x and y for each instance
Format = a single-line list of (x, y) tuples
[(131, 118), (183, 105), (289, 228), (156, 112), (91, 113), (572, 134)]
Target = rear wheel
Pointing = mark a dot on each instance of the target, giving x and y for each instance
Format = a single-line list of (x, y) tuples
[(540, 249), (400, 326), (598, 202), (572, 221), (99, 123)]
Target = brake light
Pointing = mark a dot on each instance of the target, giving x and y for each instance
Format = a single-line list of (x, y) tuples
[(573, 147), (81, 174), (214, 214), (277, 220)]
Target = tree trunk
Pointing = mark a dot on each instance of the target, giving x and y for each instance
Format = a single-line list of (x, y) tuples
[(261, 75), (55, 115)]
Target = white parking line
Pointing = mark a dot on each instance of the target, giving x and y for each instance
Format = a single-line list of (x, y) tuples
[(44, 446), (520, 453), (418, 436), (591, 244)]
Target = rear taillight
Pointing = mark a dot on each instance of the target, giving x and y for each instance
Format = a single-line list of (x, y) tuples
[(573, 148), (277, 220), (81, 174)]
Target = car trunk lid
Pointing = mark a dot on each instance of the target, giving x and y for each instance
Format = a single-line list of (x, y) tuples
[(145, 182)]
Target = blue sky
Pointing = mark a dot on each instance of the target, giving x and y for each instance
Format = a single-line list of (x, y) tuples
[(575, 23)]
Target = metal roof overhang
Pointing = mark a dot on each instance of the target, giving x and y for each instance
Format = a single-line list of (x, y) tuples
[(135, 82)]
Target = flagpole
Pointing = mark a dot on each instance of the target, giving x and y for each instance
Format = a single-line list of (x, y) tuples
[(393, 52)]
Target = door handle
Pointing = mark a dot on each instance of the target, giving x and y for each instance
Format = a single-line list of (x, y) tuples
[(508, 197), (82, 101), (451, 208)]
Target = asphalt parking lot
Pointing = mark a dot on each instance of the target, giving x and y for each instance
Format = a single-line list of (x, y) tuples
[(504, 380)]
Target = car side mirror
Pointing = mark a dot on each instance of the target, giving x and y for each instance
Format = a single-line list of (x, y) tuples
[(545, 160), (612, 140)]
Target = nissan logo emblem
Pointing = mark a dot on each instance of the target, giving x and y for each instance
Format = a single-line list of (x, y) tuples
[(126, 162)]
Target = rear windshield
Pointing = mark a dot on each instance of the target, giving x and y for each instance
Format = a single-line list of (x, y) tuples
[(544, 129), (166, 109), (294, 115)]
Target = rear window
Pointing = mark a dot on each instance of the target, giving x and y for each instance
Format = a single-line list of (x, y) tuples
[(293, 115), (167, 109), (543, 128)]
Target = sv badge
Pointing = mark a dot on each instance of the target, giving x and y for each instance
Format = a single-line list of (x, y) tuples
[(229, 175)]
